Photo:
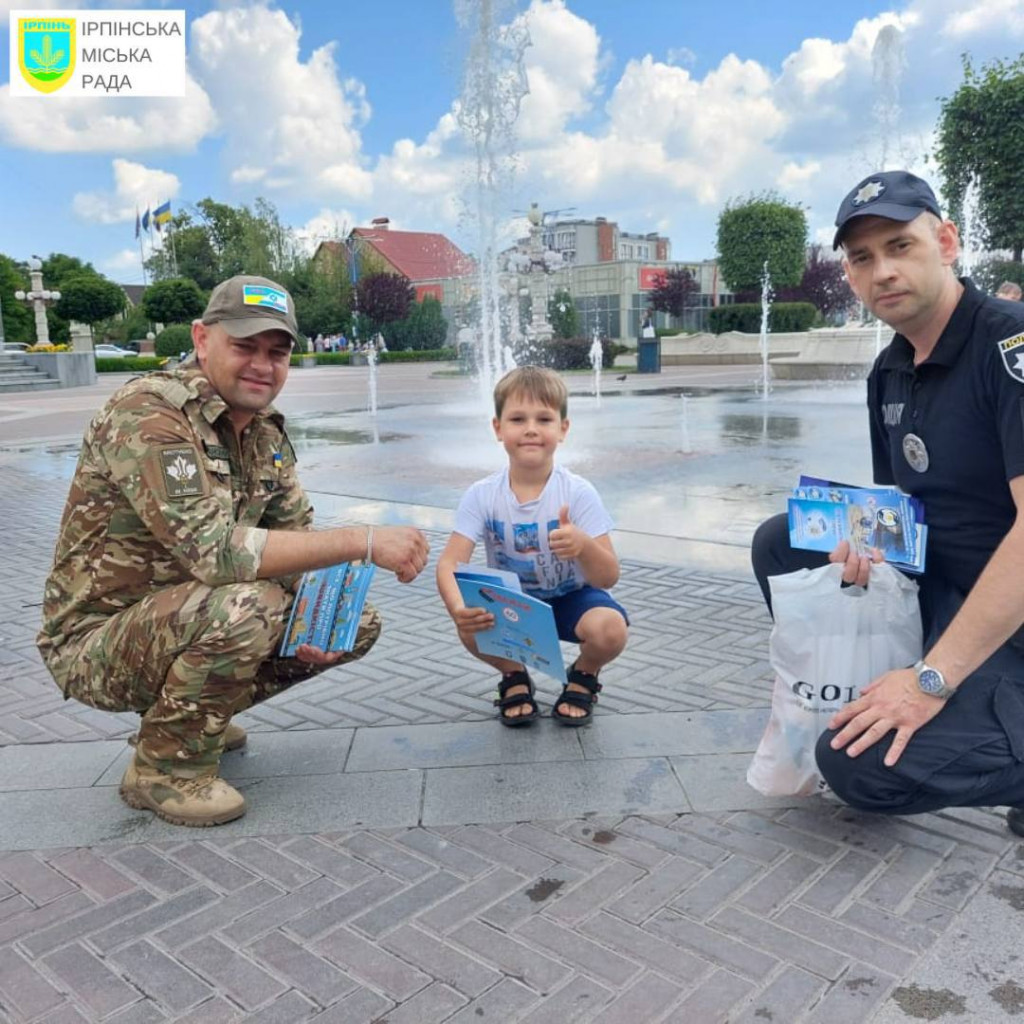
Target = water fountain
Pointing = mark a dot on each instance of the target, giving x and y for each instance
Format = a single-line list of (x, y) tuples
[(687, 445), (970, 246), (766, 307), (493, 89), (887, 65), (371, 362), (596, 359)]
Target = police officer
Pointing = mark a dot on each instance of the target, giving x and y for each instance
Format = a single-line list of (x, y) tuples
[(183, 535), (946, 408)]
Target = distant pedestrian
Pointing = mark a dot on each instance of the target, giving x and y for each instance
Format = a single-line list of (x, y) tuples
[(1009, 290)]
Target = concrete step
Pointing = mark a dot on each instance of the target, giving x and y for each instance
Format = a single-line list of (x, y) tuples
[(22, 374), (42, 383)]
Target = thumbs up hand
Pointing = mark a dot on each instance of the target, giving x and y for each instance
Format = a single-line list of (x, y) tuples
[(567, 541)]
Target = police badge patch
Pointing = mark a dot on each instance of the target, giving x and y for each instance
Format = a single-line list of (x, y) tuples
[(1012, 351)]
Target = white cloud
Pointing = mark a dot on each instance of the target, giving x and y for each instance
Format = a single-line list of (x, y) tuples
[(981, 16), (680, 55), (794, 175), (561, 69), (56, 124), (326, 225), (136, 187), (125, 259), (287, 123)]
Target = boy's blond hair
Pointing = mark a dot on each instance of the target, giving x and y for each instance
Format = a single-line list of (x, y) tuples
[(544, 386)]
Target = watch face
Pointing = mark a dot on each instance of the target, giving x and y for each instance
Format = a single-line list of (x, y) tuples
[(930, 681)]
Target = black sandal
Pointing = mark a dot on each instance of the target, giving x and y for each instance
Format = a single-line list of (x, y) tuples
[(577, 698), (520, 678)]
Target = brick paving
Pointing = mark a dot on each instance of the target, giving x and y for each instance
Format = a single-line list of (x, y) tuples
[(806, 913)]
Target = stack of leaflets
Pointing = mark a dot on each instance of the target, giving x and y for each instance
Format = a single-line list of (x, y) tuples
[(524, 627), (327, 608), (822, 513)]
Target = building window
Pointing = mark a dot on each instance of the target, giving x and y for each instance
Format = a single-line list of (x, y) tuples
[(602, 312)]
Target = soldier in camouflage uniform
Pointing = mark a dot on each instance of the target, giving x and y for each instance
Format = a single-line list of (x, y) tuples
[(181, 540)]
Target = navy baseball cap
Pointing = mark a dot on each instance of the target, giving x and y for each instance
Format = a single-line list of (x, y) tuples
[(895, 195)]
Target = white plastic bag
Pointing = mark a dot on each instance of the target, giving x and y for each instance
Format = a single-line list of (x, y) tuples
[(828, 641)]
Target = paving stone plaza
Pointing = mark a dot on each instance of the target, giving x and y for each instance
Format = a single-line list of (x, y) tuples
[(406, 860)]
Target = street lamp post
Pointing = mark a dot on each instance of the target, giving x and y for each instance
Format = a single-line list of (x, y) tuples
[(38, 298)]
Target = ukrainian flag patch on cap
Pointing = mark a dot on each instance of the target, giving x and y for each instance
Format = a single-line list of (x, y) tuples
[(261, 295)]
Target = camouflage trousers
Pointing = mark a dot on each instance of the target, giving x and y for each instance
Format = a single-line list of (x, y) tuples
[(188, 658)]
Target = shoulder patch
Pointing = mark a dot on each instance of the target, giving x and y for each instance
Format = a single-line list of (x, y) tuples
[(1012, 352), (182, 476)]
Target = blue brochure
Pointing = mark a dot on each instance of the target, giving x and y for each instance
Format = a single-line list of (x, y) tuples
[(327, 608), (524, 628), (822, 513)]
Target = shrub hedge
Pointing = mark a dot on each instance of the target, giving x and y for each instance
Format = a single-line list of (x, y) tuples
[(174, 340), (746, 317), (129, 364), (425, 355), (573, 353)]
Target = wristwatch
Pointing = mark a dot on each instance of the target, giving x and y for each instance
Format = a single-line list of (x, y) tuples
[(932, 681)]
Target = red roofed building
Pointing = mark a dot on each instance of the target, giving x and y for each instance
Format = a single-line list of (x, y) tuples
[(430, 261)]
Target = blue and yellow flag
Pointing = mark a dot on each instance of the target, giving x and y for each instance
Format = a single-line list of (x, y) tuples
[(162, 214)]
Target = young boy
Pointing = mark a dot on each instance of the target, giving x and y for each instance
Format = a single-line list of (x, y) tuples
[(549, 527)]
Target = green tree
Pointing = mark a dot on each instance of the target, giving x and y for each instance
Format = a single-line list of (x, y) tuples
[(674, 291), (563, 315), (424, 328), (175, 301), (980, 137), (322, 294), (58, 267), (217, 241), (758, 228), (174, 340), (89, 298), (384, 298), (19, 324)]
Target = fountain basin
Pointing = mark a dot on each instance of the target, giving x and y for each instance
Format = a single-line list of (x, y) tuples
[(829, 354)]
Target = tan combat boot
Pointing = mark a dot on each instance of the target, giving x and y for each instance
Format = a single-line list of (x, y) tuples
[(234, 738), (207, 800)]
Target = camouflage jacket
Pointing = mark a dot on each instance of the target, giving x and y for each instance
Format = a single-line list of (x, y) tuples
[(165, 493)]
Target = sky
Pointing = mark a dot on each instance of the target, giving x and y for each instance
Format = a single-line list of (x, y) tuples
[(652, 115)]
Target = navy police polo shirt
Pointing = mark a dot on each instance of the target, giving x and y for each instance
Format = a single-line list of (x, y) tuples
[(965, 403)]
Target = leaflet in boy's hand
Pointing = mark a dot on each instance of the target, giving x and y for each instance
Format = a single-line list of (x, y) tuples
[(485, 574), (823, 513), (524, 627), (327, 608)]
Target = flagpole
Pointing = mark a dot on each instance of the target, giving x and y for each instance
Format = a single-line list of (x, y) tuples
[(174, 251), (142, 252)]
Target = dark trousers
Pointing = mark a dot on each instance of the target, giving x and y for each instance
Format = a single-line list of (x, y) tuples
[(971, 754)]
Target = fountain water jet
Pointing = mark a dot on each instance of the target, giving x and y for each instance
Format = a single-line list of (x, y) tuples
[(766, 306), (969, 228), (887, 64), (493, 89), (596, 359)]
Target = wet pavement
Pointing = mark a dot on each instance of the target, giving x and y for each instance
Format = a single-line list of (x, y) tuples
[(406, 859)]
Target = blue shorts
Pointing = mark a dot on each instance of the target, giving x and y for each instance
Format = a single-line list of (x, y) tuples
[(570, 608)]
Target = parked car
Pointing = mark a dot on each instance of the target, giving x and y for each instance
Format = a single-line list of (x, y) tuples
[(111, 352)]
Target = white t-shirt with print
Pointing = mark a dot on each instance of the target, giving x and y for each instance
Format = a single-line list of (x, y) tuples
[(515, 534)]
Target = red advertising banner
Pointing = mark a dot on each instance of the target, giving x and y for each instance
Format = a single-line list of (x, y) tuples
[(435, 291), (649, 277)]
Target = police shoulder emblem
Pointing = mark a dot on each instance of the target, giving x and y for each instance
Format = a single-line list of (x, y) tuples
[(46, 52), (1012, 352), (181, 472)]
